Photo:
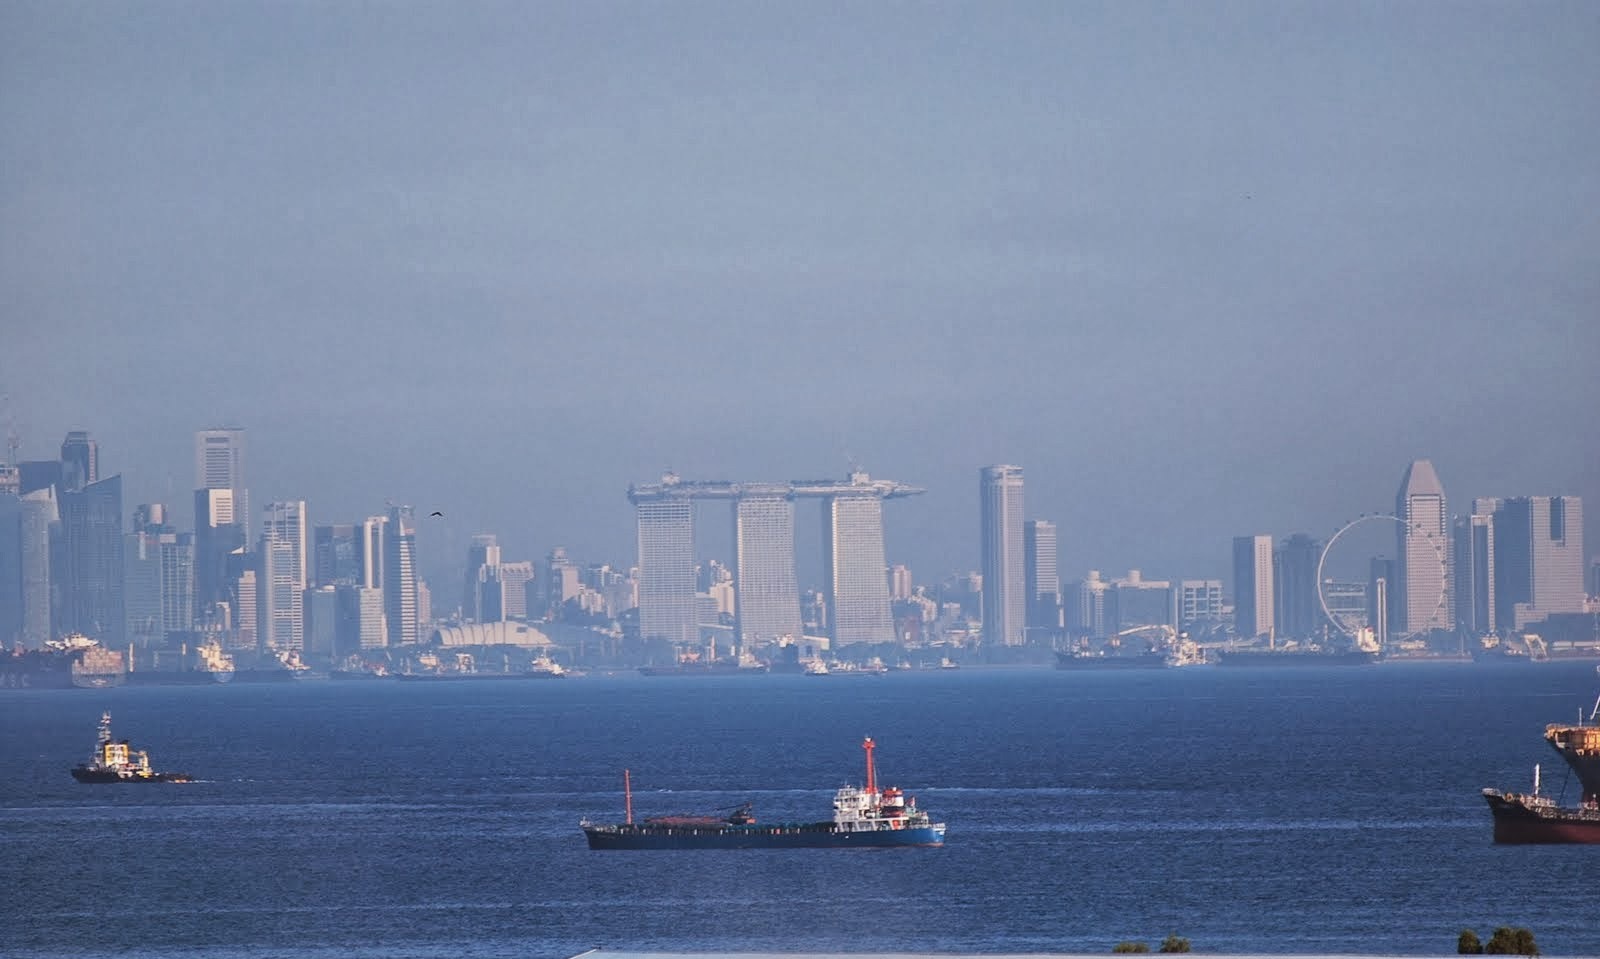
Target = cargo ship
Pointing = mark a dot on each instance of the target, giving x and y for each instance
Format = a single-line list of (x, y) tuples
[(1533, 818), (863, 818), (117, 762)]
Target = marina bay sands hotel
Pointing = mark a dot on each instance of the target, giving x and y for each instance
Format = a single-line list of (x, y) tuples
[(766, 595)]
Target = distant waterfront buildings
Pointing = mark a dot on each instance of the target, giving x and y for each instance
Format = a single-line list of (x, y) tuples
[(1134, 601), (282, 584), (1296, 606), (88, 569), (855, 574), (1002, 556), (80, 461), (404, 608), (1041, 578), (1252, 586), (1199, 603), (219, 465), (1421, 595), (767, 598), (1473, 572), (1538, 557)]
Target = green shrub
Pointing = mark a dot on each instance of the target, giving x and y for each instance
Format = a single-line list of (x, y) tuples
[(1467, 943), (1174, 943), (1507, 941), (1131, 947)]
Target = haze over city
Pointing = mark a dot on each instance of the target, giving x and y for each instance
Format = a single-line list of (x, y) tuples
[(1202, 270)]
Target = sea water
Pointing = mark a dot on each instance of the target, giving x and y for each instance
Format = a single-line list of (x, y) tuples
[(1275, 810)]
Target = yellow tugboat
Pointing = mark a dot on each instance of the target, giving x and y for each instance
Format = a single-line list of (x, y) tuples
[(117, 762)]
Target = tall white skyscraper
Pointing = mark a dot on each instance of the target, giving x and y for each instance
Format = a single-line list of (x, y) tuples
[(854, 568), (282, 585), (402, 607), (1004, 567), (767, 598), (1252, 586), (1042, 578), (219, 464), (1421, 600), (666, 570)]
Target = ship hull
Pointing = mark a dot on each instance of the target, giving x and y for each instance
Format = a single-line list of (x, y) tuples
[(84, 774), (1516, 823), (821, 835), (1262, 658)]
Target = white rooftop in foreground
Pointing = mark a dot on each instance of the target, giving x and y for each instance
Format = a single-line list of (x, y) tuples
[(627, 954)]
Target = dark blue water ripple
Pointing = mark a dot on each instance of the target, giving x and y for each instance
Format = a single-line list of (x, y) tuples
[(1251, 811)]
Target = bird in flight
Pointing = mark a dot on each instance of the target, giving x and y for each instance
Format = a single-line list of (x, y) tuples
[(436, 513)]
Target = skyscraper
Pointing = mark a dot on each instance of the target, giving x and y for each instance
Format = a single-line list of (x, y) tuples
[(1252, 586), (1003, 565), (1538, 557), (282, 585), (371, 549), (1421, 599), (333, 555), (1473, 571), (219, 464), (666, 570), (854, 568), (38, 527), (1199, 602), (90, 562), (766, 598), (1041, 579), (10, 566), (514, 580), (218, 532), (401, 604), (1294, 576), (483, 572), (80, 461)]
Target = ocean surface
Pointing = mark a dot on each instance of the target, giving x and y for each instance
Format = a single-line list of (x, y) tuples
[(1250, 810)]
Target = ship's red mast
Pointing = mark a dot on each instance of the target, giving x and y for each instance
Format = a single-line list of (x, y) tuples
[(627, 795), (872, 778)]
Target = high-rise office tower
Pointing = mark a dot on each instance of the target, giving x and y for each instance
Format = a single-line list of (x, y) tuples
[(245, 591), (1041, 578), (1294, 577), (218, 532), (1003, 566), (37, 528), (1538, 557), (80, 461), (767, 598), (514, 580), (158, 584), (561, 583), (219, 464), (483, 568), (1473, 573), (322, 620), (854, 569), (90, 562), (10, 566), (371, 549), (402, 605), (282, 585), (1252, 586), (1421, 594), (666, 570), (333, 555)]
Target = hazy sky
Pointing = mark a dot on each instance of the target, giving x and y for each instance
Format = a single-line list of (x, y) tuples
[(1202, 269)]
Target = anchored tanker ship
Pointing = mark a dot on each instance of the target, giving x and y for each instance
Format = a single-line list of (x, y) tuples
[(1532, 818), (865, 817)]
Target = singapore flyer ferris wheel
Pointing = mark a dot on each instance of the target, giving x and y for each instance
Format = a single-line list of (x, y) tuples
[(1436, 569)]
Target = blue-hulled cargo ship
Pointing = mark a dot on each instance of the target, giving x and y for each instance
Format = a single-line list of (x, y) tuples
[(864, 817)]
